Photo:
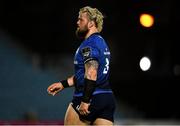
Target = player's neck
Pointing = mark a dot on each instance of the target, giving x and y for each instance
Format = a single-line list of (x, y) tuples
[(91, 31)]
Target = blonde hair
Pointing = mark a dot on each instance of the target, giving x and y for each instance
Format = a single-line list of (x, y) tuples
[(94, 15)]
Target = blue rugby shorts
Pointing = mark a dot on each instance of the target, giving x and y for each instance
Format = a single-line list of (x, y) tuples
[(101, 106)]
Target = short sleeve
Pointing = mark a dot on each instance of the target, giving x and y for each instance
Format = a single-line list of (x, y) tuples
[(90, 53)]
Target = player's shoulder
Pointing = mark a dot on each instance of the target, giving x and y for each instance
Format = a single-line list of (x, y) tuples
[(96, 36), (96, 39)]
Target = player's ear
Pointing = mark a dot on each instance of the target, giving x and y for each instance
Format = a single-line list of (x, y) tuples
[(91, 24)]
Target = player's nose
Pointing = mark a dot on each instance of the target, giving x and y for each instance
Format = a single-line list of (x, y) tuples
[(77, 23)]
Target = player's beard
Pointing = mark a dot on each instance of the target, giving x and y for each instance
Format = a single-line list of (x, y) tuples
[(81, 33)]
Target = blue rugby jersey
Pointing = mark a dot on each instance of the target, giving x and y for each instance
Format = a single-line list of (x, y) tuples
[(93, 48)]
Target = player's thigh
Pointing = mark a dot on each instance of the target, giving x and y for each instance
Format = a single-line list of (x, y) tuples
[(72, 118), (101, 121)]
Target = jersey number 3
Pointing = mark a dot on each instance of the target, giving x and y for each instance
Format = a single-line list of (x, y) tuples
[(105, 71)]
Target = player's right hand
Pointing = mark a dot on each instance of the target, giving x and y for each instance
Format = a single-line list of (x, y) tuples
[(54, 88)]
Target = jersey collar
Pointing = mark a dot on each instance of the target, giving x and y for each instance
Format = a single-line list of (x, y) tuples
[(96, 33)]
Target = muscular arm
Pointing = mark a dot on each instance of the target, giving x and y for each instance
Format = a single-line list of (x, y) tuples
[(91, 68)]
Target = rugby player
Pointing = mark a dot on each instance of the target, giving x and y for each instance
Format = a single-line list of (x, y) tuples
[(93, 100)]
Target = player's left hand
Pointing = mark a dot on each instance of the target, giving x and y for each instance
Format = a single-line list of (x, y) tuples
[(83, 108)]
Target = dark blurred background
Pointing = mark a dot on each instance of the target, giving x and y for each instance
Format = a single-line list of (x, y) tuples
[(38, 42)]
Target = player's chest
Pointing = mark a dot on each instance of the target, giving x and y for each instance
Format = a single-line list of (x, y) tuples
[(78, 58)]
